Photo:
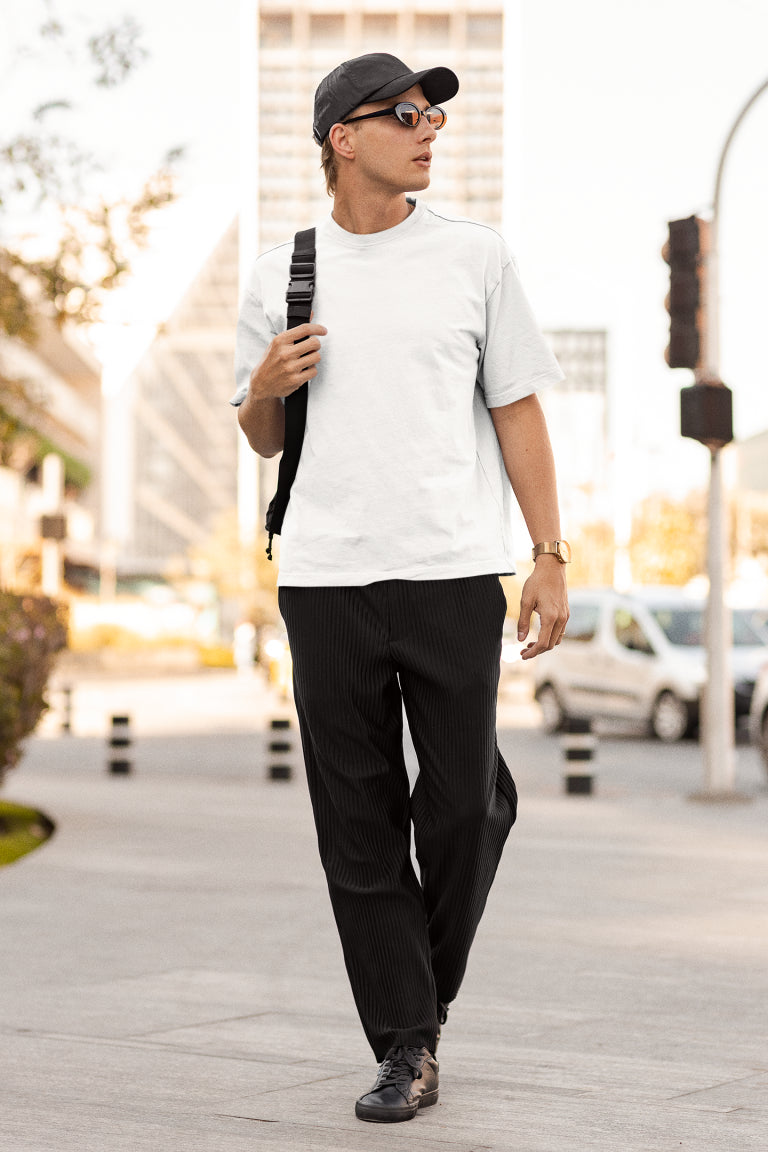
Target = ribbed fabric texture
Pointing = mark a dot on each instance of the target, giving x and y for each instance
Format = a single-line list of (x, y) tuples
[(359, 654)]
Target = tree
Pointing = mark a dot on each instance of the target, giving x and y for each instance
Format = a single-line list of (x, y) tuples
[(593, 548), (668, 540), (239, 571), (33, 629), (47, 180)]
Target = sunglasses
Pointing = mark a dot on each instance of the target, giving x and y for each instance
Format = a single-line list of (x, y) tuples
[(407, 114)]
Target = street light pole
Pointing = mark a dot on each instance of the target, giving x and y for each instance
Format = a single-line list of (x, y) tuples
[(719, 766)]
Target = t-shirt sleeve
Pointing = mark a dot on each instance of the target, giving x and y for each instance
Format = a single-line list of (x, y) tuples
[(253, 337), (515, 358)]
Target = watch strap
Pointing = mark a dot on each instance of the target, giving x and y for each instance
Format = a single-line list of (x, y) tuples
[(553, 548)]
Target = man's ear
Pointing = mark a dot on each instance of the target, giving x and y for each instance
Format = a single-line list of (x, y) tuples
[(342, 140)]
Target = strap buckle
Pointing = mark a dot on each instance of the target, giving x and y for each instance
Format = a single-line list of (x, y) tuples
[(302, 282), (299, 293)]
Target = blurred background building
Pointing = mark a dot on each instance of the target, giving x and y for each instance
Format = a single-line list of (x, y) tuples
[(51, 405), (182, 432), (578, 418), (299, 44)]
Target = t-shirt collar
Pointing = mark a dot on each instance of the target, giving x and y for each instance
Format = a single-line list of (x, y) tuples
[(334, 231)]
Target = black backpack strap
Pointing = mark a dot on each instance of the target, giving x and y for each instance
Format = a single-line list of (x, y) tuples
[(301, 289)]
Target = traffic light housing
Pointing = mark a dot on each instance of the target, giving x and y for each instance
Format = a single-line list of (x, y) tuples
[(706, 414), (686, 251)]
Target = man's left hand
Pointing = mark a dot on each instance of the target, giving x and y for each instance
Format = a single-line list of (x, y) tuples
[(544, 592)]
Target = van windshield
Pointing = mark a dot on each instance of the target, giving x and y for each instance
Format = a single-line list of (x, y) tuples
[(685, 627)]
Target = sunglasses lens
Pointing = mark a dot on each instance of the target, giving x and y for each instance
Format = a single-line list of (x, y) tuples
[(408, 114)]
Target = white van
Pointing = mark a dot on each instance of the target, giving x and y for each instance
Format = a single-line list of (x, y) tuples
[(640, 657)]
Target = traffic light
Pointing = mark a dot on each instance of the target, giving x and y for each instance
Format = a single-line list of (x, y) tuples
[(685, 252)]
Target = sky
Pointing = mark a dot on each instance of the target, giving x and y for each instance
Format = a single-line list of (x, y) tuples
[(625, 107)]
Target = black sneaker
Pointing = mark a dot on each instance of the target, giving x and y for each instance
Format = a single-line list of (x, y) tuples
[(407, 1080)]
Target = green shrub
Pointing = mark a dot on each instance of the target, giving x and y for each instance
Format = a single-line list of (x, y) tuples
[(33, 629)]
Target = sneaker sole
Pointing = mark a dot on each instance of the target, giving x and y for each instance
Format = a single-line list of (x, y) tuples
[(394, 1115)]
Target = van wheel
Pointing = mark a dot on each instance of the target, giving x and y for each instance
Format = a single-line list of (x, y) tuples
[(553, 714), (670, 718)]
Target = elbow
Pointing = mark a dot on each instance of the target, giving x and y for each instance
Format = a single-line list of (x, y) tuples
[(262, 448)]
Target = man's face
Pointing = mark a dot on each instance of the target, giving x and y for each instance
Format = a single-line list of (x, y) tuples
[(386, 152)]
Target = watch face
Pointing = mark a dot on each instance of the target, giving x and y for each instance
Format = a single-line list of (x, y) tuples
[(564, 549)]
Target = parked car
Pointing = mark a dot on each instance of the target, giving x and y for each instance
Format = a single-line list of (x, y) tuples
[(758, 716), (640, 657)]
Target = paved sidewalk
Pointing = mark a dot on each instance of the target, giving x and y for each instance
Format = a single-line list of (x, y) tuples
[(171, 979)]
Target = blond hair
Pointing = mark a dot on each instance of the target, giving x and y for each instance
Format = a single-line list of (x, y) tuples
[(330, 164)]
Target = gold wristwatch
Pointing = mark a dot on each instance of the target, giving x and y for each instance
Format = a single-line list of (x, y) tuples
[(559, 548)]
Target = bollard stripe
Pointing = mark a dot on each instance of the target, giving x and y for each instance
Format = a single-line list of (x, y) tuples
[(578, 785), (579, 753), (280, 772)]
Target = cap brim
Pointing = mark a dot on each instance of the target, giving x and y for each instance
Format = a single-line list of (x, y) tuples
[(438, 84)]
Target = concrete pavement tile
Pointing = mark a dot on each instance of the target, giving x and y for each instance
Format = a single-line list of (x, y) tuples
[(41, 1127), (143, 1004), (108, 1074), (611, 999), (279, 1036), (746, 1092), (513, 1119)]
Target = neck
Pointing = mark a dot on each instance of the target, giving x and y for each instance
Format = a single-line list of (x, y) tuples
[(363, 216)]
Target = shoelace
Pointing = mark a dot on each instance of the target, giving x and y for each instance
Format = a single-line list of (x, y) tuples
[(403, 1065)]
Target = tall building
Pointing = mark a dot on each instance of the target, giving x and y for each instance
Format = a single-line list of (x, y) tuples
[(577, 412), (184, 433), (50, 403), (299, 44)]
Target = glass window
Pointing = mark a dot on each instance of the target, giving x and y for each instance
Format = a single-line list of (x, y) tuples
[(326, 28), (681, 626), (582, 624), (748, 629), (276, 29), (379, 28), (629, 632), (686, 627), (432, 29), (484, 29)]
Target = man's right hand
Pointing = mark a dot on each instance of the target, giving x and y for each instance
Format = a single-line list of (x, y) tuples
[(290, 360)]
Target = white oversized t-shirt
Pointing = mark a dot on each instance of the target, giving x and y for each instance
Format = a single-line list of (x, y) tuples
[(401, 474)]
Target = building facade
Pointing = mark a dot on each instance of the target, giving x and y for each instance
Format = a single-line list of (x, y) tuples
[(50, 406), (299, 44), (184, 434)]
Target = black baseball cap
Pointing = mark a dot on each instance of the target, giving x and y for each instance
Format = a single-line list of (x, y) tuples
[(375, 76)]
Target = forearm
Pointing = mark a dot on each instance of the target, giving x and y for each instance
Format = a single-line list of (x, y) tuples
[(263, 422), (525, 446)]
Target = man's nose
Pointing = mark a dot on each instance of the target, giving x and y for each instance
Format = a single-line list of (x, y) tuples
[(426, 131)]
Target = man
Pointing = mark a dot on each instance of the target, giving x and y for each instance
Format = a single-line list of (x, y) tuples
[(422, 418)]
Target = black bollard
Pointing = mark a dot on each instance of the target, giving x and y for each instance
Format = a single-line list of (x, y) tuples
[(281, 747), (578, 747), (118, 764), (66, 717)]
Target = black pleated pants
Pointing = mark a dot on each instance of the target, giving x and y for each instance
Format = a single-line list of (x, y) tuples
[(360, 654)]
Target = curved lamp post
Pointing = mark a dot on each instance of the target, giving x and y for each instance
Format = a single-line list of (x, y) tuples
[(718, 717)]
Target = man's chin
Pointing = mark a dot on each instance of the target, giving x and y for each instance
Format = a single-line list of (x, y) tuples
[(421, 182)]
